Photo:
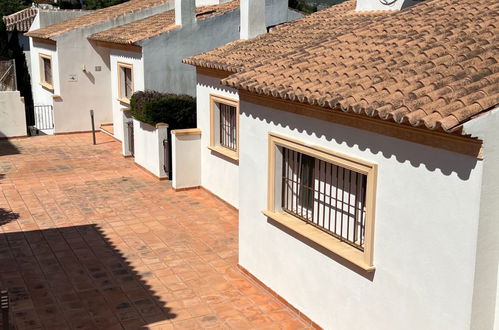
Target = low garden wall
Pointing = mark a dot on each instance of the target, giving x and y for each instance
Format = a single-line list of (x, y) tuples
[(149, 144), (12, 115), (149, 149)]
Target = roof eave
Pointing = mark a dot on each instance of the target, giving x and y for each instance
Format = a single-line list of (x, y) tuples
[(125, 45)]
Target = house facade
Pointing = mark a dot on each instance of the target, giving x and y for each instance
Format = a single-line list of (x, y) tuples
[(147, 54), (366, 161), (75, 73), (35, 18), (224, 61)]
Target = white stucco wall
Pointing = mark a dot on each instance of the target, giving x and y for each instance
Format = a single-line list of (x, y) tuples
[(50, 17), (427, 210), (45, 18), (219, 174), (128, 57), (41, 95), (148, 147), (92, 88), (486, 293), (12, 115), (163, 54)]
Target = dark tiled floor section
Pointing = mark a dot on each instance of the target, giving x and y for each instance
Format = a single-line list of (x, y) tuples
[(90, 241)]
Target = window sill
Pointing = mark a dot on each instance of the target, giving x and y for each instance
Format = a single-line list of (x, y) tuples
[(322, 239), (47, 86), (225, 152), (124, 101)]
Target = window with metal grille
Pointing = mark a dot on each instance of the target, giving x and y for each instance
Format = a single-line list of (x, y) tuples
[(228, 126), (327, 196), (224, 127)]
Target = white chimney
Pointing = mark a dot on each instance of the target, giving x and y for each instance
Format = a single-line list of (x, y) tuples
[(185, 12), (252, 18), (366, 5)]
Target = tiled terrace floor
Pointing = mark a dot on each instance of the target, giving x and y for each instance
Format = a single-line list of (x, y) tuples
[(90, 241)]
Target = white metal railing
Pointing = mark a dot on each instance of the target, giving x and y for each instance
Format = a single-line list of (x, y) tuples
[(44, 117)]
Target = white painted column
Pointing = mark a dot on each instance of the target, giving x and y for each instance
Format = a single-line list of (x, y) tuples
[(185, 12)]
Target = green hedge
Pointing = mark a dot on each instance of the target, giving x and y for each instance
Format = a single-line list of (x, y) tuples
[(178, 111)]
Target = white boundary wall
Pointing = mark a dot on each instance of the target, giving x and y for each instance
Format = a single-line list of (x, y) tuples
[(425, 236), (12, 115), (148, 146), (219, 174)]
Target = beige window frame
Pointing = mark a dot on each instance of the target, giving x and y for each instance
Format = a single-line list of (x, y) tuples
[(215, 128), (122, 96), (362, 259), (47, 81)]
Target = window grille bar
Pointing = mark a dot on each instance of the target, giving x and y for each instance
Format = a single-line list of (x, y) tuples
[(356, 208), (348, 204), (228, 129), (317, 192), (323, 182)]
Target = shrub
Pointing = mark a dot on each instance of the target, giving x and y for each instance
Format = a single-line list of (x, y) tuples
[(178, 111)]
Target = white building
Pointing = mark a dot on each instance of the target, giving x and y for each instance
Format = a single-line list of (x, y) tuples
[(147, 54), (222, 62), (361, 150), (72, 73)]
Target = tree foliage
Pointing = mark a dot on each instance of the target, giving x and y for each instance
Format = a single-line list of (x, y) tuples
[(22, 73), (303, 6), (8, 7)]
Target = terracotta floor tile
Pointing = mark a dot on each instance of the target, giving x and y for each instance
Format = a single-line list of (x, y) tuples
[(239, 324), (90, 241), (260, 320)]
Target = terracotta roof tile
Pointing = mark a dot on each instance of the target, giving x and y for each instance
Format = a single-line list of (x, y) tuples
[(21, 20), (95, 17), (302, 33), (157, 24), (433, 65)]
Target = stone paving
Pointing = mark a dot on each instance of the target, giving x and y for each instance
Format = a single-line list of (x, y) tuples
[(90, 241)]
